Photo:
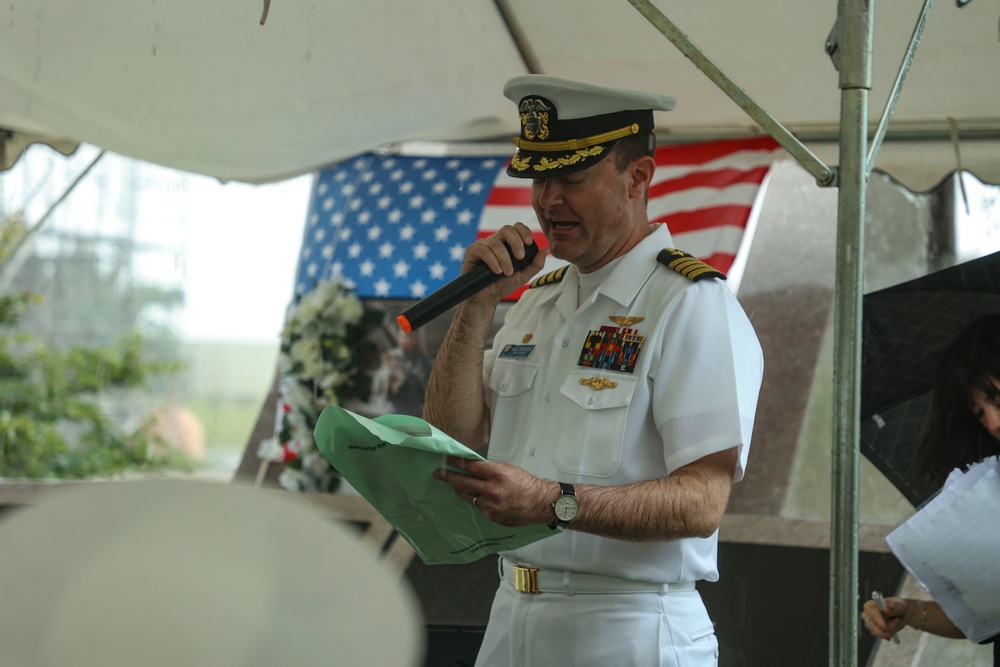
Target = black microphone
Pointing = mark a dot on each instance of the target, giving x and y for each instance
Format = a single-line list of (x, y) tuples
[(458, 290)]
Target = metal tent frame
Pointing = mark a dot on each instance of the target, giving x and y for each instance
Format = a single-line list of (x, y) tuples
[(850, 48)]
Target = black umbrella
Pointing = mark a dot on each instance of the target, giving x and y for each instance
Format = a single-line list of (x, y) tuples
[(905, 330)]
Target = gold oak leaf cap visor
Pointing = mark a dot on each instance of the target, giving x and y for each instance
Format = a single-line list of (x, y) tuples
[(567, 126)]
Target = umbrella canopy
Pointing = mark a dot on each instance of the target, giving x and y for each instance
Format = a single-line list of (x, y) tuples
[(905, 330)]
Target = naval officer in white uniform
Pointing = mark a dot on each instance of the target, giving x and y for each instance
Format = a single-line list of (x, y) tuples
[(618, 399)]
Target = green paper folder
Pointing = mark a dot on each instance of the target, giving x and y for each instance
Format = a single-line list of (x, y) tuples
[(390, 461)]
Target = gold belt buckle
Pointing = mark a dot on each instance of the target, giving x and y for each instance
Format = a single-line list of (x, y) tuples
[(526, 578)]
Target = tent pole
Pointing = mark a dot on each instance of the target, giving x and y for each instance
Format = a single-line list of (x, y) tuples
[(904, 68), (855, 84), (10, 265), (522, 44), (851, 181), (823, 174)]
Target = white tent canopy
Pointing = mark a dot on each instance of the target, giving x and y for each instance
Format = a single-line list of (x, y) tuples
[(204, 87)]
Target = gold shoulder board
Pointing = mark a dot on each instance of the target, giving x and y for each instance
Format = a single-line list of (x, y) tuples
[(550, 278), (688, 265)]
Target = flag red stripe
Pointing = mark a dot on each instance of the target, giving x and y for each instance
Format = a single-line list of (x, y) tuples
[(723, 261), (709, 179), (705, 218), (694, 162), (516, 294), (693, 154), (521, 196), (505, 195)]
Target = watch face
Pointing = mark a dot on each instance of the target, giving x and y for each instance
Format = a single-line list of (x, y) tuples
[(565, 508)]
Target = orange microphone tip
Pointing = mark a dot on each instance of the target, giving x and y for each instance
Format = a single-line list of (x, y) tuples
[(404, 324)]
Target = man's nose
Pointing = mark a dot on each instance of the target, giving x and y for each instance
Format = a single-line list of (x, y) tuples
[(548, 193)]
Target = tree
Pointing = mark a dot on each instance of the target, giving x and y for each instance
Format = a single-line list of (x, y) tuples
[(56, 394)]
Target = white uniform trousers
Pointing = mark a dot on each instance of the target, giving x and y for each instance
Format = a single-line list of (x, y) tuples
[(649, 629)]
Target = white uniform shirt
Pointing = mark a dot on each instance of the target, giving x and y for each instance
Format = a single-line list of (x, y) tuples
[(691, 392)]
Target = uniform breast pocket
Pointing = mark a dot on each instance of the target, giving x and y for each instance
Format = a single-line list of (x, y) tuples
[(511, 382), (593, 423)]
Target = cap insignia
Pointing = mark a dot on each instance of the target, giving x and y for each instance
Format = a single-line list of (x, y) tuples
[(535, 118), (688, 265), (624, 321), (598, 384)]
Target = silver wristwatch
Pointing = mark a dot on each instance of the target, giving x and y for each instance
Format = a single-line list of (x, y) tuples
[(565, 506)]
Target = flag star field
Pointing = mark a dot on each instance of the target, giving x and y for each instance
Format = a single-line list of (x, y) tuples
[(395, 227)]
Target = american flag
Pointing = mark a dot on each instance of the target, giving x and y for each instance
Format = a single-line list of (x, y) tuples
[(396, 227)]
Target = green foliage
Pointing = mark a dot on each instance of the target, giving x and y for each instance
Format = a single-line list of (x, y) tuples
[(56, 395), (51, 421), (12, 306), (12, 232)]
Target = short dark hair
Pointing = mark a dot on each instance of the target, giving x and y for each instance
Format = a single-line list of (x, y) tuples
[(631, 148), (953, 437)]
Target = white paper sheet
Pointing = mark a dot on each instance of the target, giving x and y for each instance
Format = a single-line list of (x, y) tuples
[(952, 547)]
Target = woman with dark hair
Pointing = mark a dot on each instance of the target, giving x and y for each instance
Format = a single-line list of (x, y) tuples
[(964, 421), (963, 428)]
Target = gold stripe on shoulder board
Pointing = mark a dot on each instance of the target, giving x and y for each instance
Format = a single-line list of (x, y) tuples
[(549, 278), (688, 265)]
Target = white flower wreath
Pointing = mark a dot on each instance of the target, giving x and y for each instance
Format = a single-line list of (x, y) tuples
[(323, 360)]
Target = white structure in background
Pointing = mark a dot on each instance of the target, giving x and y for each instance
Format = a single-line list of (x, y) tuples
[(225, 253)]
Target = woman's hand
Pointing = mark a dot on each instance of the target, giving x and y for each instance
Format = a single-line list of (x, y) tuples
[(884, 623)]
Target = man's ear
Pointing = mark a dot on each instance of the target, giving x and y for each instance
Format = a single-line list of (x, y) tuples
[(641, 175)]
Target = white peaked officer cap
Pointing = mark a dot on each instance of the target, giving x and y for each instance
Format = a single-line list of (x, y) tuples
[(567, 126)]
